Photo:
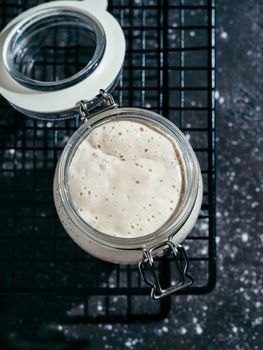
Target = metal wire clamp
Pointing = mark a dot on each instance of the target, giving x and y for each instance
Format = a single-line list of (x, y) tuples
[(182, 264), (102, 102)]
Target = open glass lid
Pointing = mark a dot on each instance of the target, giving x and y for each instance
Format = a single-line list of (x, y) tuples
[(57, 54)]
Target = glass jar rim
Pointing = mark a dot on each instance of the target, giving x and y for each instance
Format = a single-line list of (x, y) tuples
[(86, 20), (191, 173)]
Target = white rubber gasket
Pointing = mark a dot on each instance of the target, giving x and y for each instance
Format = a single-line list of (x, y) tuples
[(66, 99)]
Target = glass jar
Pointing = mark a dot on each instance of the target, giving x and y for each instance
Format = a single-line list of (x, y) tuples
[(143, 250), (73, 91)]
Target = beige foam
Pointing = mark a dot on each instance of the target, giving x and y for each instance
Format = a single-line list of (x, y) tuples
[(126, 179)]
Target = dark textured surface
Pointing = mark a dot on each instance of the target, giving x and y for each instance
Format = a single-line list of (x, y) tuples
[(231, 316)]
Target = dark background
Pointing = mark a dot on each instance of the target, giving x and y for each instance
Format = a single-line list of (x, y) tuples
[(231, 316)]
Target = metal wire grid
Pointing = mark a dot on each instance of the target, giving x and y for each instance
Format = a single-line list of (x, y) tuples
[(169, 68)]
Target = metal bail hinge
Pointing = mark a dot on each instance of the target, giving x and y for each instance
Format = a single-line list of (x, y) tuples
[(102, 102), (182, 264)]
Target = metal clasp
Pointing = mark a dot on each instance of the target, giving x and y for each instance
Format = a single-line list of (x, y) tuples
[(182, 264), (102, 102)]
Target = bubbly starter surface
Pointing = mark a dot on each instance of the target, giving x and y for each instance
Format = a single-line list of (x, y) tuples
[(126, 179)]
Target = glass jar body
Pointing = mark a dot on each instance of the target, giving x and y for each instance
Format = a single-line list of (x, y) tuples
[(126, 251)]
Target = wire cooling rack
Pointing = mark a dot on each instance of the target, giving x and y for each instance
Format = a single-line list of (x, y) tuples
[(169, 68)]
